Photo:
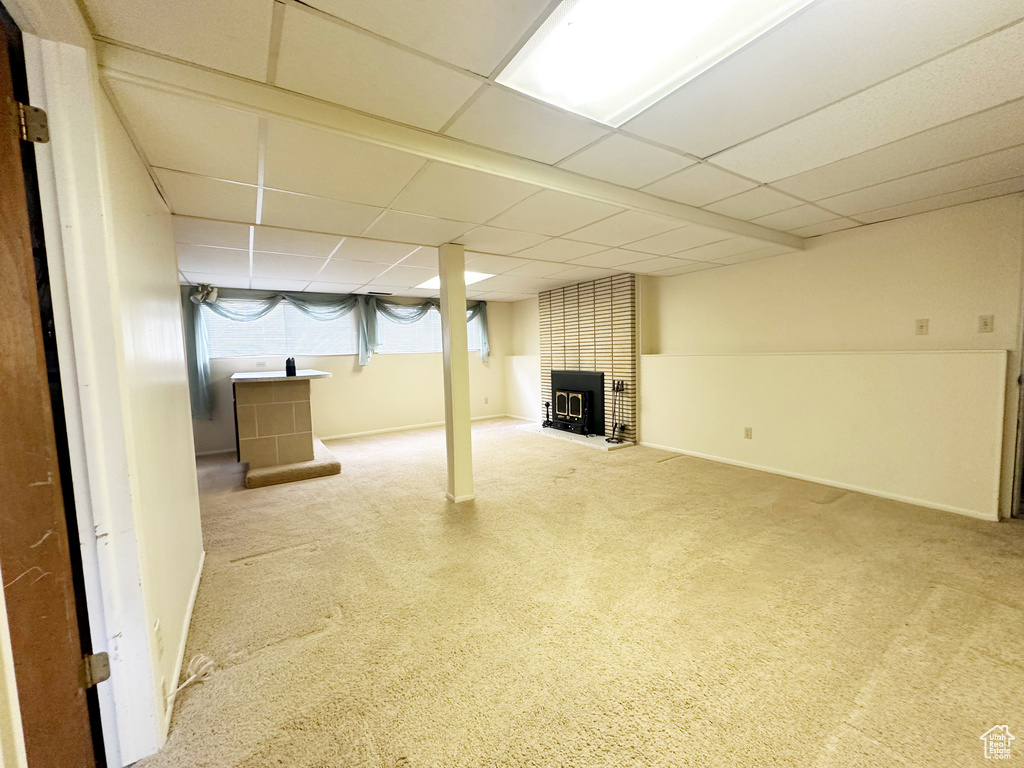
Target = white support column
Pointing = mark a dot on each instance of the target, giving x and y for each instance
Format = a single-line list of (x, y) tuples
[(452, 263)]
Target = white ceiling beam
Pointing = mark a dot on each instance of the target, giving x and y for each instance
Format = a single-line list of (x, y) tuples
[(172, 76)]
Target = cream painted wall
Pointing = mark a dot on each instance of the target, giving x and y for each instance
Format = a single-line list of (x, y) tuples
[(112, 270), (522, 387), (526, 327), (392, 392), (923, 427), (522, 367), (162, 469), (859, 290)]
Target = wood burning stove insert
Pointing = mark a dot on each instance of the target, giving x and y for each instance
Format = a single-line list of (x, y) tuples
[(578, 402)]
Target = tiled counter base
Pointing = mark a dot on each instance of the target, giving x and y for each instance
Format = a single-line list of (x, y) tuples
[(274, 422), (275, 429)]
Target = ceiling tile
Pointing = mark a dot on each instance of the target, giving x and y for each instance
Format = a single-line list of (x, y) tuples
[(191, 135), (963, 139), (829, 51), (423, 256), (755, 203), (451, 192), (685, 269), (699, 185), (278, 284), (538, 268), (335, 288), (471, 34), (316, 214), (285, 266), (419, 230), (625, 227), (221, 281), (648, 266), (501, 241), (1006, 164), (490, 265), (616, 257), (213, 261), (559, 250), (208, 198), (506, 121), (291, 241), (626, 161), (324, 59), (349, 272), (301, 159), (982, 192), (984, 74), (678, 240), (204, 232), (553, 213), (581, 274), (760, 253), (377, 251), (501, 296), (229, 35), (513, 284), (404, 277), (826, 227), (716, 251), (422, 293), (801, 216)]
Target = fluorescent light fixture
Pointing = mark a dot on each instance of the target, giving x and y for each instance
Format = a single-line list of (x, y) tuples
[(471, 277), (611, 59)]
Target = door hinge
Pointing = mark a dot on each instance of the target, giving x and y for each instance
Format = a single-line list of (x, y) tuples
[(33, 124), (95, 668)]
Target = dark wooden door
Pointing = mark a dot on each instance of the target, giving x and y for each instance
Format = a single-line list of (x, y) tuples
[(35, 558)]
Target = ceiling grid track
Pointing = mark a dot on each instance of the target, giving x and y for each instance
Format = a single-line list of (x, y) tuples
[(268, 101)]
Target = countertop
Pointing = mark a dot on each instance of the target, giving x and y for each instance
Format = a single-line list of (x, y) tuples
[(260, 376)]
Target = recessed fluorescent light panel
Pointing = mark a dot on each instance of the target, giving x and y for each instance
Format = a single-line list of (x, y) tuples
[(611, 59), (471, 277)]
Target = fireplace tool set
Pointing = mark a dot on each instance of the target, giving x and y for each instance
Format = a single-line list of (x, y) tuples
[(618, 387)]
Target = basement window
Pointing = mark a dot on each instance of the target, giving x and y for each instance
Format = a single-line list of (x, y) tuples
[(282, 332), (423, 336)]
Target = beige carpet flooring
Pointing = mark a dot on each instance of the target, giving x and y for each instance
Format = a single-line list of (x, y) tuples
[(592, 609)]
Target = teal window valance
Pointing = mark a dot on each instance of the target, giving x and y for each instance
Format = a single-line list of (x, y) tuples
[(255, 305)]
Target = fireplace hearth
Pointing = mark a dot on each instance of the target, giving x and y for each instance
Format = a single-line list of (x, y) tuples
[(578, 402)]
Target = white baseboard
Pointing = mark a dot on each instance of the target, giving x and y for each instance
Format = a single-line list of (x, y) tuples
[(460, 499), (522, 418), (181, 648), (992, 517), (220, 452)]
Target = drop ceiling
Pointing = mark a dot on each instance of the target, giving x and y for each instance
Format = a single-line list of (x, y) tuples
[(331, 145)]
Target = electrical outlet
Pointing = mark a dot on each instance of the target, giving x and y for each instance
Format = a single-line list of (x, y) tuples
[(262, 364), (922, 327), (748, 433), (487, 400), (986, 323)]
